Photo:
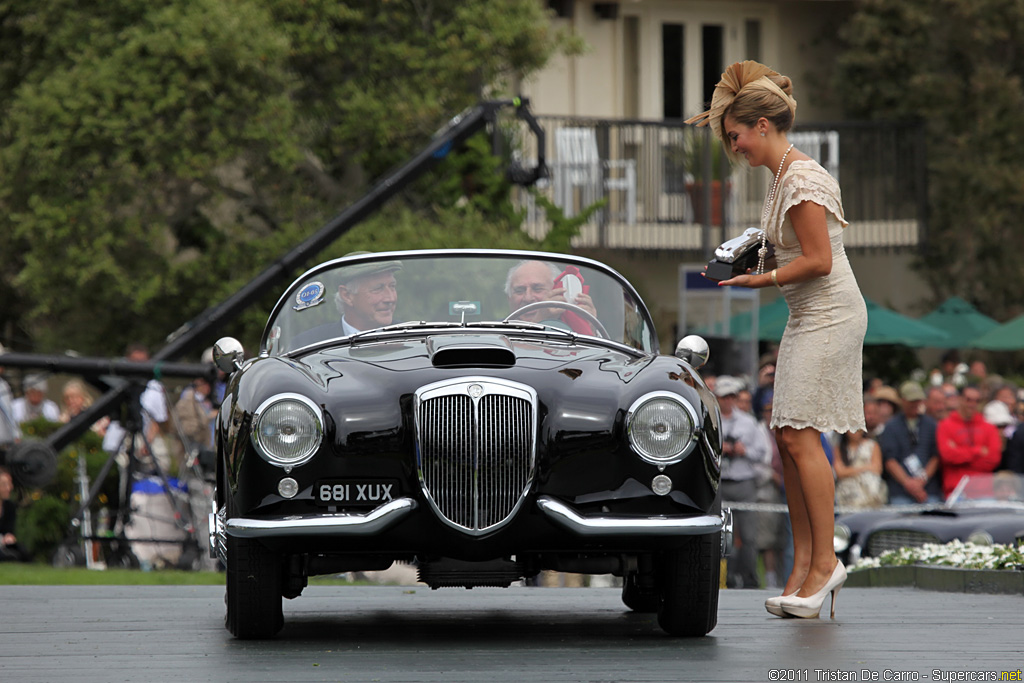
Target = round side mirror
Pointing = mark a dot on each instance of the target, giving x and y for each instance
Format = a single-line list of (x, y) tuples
[(228, 354), (694, 350)]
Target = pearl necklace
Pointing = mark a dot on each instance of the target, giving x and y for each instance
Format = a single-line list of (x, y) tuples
[(762, 253)]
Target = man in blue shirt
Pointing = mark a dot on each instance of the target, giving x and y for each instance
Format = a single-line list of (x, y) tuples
[(910, 453)]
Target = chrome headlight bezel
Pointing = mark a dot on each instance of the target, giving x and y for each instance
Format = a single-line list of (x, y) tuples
[(841, 537), (980, 537), (634, 428), (264, 447)]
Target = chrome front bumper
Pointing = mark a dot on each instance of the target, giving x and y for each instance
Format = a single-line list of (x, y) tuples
[(381, 518), (569, 519), (320, 524)]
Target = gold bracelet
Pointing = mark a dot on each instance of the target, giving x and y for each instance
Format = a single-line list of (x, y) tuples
[(775, 277)]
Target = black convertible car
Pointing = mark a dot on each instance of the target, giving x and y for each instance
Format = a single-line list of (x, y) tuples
[(483, 415)]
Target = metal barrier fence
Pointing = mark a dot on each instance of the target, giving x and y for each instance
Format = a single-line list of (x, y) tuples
[(667, 185)]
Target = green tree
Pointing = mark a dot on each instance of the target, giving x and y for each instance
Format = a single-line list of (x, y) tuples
[(957, 66), (153, 157)]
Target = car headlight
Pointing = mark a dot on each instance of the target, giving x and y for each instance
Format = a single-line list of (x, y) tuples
[(287, 430), (841, 537), (662, 428)]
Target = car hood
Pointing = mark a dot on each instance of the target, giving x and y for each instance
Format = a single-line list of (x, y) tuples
[(366, 387), (462, 352)]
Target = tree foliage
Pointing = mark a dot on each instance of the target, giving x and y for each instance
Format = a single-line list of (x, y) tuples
[(155, 156), (957, 66)]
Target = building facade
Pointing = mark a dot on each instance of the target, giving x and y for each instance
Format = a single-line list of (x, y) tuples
[(613, 117)]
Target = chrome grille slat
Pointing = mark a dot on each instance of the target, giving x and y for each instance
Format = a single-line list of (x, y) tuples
[(476, 452), (892, 539)]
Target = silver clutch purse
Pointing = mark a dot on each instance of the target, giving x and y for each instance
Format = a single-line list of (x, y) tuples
[(736, 256)]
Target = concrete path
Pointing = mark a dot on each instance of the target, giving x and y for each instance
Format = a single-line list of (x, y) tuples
[(377, 633)]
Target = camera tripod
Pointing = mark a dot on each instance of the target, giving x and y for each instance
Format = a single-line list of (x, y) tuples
[(135, 457)]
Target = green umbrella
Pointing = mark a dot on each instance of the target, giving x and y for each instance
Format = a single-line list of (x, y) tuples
[(1006, 337), (961, 321), (890, 327), (771, 321), (884, 326)]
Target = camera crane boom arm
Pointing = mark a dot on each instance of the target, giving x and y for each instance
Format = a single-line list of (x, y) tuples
[(451, 137)]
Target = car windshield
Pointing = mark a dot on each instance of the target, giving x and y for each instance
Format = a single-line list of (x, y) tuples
[(367, 292), (1005, 486)]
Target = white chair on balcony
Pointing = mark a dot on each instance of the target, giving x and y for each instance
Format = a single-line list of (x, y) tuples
[(579, 167), (820, 145)]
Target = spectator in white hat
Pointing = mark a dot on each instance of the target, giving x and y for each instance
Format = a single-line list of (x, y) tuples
[(999, 411), (34, 403)]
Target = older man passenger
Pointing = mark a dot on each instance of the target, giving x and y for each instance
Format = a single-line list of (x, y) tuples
[(532, 281)]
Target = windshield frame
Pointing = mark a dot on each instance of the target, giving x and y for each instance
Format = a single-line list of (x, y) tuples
[(527, 329)]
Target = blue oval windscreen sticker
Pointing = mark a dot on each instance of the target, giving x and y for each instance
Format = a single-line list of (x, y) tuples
[(309, 296)]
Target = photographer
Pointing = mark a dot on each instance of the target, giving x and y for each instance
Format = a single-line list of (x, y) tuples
[(745, 451)]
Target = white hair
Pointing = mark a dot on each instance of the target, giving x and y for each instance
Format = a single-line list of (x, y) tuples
[(555, 272)]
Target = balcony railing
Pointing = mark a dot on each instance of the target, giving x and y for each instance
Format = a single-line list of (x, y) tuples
[(654, 176)]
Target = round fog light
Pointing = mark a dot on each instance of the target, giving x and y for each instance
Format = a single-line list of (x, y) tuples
[(287, 487), (661, 485)]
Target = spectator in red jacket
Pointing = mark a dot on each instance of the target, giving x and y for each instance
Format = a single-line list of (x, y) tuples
[(968, 445)]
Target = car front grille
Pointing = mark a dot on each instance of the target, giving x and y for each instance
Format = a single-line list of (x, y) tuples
[(891, 539), (476, 450)]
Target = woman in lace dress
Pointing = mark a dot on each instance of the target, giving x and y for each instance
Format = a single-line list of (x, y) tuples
[(818, 376)]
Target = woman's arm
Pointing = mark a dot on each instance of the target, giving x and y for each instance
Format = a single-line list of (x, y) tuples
[(876, 459), (843, 470), (815, 259)]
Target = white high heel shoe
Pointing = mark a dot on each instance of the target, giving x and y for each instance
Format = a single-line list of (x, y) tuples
[(809, 607), (773, 606)]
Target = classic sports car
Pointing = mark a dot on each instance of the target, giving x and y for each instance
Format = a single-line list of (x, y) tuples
[(983, 509), (483, 415)]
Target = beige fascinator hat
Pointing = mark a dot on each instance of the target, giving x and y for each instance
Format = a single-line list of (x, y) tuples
[(755, 85)]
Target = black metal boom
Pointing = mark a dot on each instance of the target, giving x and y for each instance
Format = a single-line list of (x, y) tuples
[(188, 336)]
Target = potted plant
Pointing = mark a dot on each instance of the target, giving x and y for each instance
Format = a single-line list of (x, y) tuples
[(700, 150)]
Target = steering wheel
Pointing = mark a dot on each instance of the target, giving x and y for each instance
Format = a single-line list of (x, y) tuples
[(578, 310)]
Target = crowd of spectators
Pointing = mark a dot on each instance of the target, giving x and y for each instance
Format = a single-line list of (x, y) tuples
[(953, 427), (173, 433)]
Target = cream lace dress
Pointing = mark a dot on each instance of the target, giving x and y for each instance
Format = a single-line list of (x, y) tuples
[(818, 377)]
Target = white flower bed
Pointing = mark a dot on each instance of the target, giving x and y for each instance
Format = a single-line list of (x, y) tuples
[(952, 554)]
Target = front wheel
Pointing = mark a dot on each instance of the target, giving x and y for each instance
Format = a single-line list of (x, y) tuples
[(688, 578), (254, 576)]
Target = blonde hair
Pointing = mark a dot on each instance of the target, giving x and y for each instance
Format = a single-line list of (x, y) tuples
[(79, 386), (747, 92)]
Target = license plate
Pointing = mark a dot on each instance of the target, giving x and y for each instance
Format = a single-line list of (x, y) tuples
[(355, 492)]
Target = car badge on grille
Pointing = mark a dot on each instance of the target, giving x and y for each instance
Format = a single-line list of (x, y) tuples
[(475, 390), (309, 296)]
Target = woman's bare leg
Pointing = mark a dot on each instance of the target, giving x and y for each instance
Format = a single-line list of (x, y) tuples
[(811, 506), (799, 523)]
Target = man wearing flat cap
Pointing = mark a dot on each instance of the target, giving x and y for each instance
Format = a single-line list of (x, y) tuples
[(366, 299), (368, 296), (910, 452)]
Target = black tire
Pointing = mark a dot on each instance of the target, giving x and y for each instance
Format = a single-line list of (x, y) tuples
[(638, 598), (254, 579), (122, 558), (688, 579), (68, 555)]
